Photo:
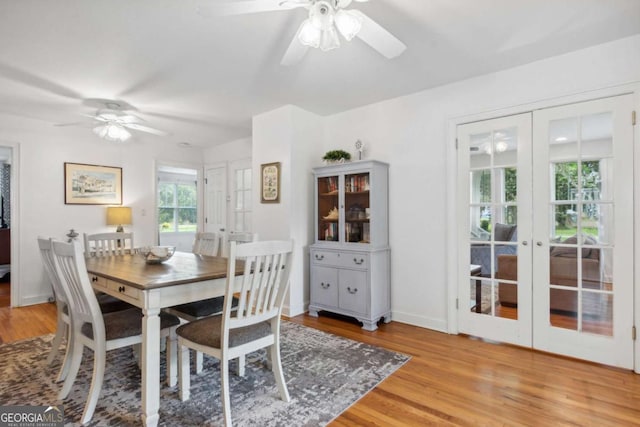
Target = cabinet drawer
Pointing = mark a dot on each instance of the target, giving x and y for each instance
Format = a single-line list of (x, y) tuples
[(324, 257), (353, 291), (324, 286), (353, 260), (98, 282), (124, 289)]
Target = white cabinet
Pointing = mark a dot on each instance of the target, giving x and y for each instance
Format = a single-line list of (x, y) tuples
[(350, 256)]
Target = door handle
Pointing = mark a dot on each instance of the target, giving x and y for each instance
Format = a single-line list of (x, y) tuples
[(539, 243), (525, 242)]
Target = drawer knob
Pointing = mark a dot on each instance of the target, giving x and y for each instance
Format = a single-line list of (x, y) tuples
[(358, 262), (319, 257), (94, 279), (325, 285), (352, 291), (121, 289)]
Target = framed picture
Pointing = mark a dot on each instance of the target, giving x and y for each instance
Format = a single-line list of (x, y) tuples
[(92, 184), (270, 180)]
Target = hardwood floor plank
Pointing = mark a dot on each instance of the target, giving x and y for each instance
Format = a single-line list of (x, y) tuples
[(451, 380)]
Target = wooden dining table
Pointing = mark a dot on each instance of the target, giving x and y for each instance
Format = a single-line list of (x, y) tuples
[(184, 278)]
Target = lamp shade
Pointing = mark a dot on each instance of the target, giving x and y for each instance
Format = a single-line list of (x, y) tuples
[(118, 215)]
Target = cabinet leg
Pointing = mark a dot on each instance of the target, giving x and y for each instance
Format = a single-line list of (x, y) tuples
[(313, 313), (387, 318), (368, 325)]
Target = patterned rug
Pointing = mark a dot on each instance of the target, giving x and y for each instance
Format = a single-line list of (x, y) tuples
[(325, 374)]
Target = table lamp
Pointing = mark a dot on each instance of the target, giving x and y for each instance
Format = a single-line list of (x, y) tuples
[(119, 215)]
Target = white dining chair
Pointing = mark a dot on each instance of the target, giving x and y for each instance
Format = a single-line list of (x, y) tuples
[(95, 330), (107, 304), (255, 324), (236, 236), (207, 243), (107, 244)]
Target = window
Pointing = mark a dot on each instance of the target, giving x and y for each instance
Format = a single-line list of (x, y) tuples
[(177, 206)]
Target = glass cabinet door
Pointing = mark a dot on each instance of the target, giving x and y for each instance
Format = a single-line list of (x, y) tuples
[(356, 208), (328, 208)]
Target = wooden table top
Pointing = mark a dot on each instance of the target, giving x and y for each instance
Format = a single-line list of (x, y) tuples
[(182, 267)]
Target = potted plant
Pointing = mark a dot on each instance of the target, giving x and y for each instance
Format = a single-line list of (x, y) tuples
[(336, 156)]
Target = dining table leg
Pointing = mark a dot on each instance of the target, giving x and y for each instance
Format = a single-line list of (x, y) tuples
[(150, 366)]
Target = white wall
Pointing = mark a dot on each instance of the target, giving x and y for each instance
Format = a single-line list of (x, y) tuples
[(413, 134), (233, 150), (291, 136), (43, 150)]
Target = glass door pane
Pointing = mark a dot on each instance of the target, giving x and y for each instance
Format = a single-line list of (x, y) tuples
[(328, 202), (583, 202), (495, 156), (356, 204)]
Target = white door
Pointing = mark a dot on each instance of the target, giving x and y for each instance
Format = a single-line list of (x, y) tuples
[(494, 183), (547, 235), (216, 198), (240, 206), (583, 234)]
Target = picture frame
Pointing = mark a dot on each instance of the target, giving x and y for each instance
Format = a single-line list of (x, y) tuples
[(270, 183), (92, 184)]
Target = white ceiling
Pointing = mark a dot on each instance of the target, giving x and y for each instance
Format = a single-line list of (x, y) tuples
[(201, 77)]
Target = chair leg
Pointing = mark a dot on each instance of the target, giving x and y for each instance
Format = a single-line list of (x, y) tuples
[(184, 373), (61, 328), (172, 356), (241, 362), (277, 371), (66, 361), (99, 361), (74, 366), (199, 361), (224, 384)]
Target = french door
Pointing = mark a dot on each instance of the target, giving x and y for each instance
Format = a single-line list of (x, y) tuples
[(549, 243)]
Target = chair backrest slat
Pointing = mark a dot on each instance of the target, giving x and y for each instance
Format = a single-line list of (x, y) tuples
[(49, 265), (83, 304), (207, 243), (262, 286), (107, 244)]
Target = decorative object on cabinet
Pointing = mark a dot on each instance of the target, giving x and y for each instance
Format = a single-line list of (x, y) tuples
[(359, 148), (336, 156), (270, 184), (92, 184), (350, 257)]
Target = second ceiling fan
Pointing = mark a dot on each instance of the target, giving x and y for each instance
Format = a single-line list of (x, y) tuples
[(320, 30)]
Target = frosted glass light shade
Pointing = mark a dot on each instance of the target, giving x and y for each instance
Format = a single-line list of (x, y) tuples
[(112, 132), (309, 34), (348, 24), (329, 39)]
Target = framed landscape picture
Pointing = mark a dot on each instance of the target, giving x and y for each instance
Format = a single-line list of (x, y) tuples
[(92, 184), (270, 180)]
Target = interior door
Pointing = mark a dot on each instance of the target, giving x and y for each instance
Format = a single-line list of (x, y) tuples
[(216, 198), (494, 186), (583, 234)]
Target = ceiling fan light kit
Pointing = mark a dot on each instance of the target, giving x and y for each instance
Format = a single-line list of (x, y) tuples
[(112, 132), (319, 30)]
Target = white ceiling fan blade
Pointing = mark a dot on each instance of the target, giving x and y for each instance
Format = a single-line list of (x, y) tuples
[(255, 6), (84, 124), (378, 38), (295, 52), (144, 129)]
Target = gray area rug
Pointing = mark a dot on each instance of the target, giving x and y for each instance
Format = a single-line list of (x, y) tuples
[(325, 375)]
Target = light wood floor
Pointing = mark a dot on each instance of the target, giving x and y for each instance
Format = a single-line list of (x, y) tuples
[(451, 380)]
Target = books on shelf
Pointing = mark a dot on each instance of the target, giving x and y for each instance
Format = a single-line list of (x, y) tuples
[(330, 232), (356, 183)]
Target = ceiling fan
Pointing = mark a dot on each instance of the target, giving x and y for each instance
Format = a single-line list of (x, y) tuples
[(112, 120), (320, 30)]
